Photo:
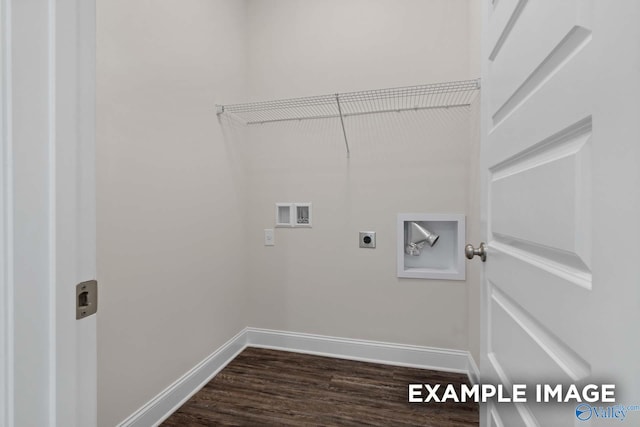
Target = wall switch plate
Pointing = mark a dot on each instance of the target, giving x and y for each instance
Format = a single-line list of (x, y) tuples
[(367, 239), (269, 238)]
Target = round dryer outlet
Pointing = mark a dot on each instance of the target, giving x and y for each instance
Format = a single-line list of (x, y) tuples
[(368, 239)]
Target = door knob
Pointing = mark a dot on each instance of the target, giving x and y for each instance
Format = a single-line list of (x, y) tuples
[(481, 251)]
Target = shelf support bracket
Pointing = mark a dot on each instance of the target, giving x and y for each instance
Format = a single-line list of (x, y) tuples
[(344, 132)]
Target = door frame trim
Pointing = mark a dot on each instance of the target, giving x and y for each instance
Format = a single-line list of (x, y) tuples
[(50, 129), (6, 222)]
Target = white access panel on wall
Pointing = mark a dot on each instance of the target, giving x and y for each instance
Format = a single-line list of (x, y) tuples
[(284, 213), (430, 246), (293, 215)]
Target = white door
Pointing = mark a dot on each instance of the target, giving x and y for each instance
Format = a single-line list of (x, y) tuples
[(47, 212), (561, 214)]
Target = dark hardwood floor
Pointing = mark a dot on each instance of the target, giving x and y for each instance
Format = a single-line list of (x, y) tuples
[(275, 388)]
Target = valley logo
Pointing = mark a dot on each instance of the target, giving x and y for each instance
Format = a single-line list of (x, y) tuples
[(584, 411), (587, 397)]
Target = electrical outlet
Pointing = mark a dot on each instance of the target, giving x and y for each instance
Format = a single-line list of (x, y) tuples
[(269, 238), (368, 239)]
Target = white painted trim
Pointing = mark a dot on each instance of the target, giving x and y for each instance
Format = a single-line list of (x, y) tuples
[(169, 400), (46, 136), (6, 221), (472, 371), (361, 350), (52, 146)]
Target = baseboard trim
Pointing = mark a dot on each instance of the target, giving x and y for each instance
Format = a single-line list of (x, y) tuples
[(362, 350), (164, 404), (472, 371), (169, 400)]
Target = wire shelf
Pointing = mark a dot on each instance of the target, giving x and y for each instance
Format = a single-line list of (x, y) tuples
[(438, 95)]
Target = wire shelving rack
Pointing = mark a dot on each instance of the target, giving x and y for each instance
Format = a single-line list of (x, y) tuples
[(341, 105)]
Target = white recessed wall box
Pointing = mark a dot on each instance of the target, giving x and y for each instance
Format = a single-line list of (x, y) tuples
[(431, 246), (283, 214), (293, 215)]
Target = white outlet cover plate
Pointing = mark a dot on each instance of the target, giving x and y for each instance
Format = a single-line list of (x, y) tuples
[(269, 238)]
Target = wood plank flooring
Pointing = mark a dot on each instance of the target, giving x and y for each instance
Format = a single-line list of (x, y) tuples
[(275, 388)]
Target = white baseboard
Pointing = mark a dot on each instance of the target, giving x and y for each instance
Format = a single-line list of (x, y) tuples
[(169, 400), (365, 351), (472, 371)]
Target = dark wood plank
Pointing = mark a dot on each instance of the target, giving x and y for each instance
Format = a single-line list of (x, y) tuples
[(263, 387)]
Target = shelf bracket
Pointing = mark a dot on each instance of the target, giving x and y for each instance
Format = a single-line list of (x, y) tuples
[(344, 132)]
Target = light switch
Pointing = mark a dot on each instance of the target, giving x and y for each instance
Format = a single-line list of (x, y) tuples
[(268, 237)]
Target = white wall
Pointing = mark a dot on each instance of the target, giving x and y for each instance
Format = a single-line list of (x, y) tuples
[(170, 193), (474, 235), (183, 200), (318, 280), (302, 47)]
